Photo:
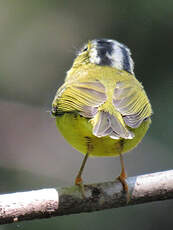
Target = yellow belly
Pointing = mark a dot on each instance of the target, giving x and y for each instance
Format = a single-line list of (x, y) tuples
[(78, 132)]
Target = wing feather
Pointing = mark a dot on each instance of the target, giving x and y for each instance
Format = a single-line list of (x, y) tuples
[(131, 101), (129, 106), (84, 97)]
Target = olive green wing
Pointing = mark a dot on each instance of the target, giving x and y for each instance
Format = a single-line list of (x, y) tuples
[(132, 102), (82, 97), (86, 98), (130, 106)]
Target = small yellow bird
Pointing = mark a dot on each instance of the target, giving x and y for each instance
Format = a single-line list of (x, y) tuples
[(102, 110)]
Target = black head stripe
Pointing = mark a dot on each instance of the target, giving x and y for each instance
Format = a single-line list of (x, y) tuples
[(107, 45), (126, 60), (111, 53), (104, 47)]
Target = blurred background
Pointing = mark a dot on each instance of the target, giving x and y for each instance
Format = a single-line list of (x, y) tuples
[(38, 42)]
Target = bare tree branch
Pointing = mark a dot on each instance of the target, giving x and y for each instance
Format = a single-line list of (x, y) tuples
[(46, 203)]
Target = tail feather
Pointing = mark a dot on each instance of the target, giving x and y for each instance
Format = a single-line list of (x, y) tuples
[(102, 125), (105, 124)]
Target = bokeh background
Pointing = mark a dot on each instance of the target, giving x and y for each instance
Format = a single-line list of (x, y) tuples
[(38, 42)]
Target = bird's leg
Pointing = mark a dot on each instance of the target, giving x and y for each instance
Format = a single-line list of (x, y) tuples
[(78, 180), (123, 177)]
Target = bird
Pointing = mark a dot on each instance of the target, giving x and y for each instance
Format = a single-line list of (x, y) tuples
[(102, 110)]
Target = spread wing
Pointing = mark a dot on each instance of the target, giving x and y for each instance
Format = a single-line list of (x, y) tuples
[(132, 102), (129, 106), (83, 97)]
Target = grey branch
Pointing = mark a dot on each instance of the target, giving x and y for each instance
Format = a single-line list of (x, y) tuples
[(46, 203)]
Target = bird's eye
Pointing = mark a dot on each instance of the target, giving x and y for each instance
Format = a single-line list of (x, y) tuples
[(85, 49)]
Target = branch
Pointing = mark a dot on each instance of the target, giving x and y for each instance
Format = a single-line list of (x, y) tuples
[(46, 203)]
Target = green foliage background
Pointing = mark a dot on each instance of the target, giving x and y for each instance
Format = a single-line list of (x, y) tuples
[(38, 41)]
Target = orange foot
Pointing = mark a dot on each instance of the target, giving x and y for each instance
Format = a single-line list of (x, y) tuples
[(79, 182), (123, 182), (122, 179)]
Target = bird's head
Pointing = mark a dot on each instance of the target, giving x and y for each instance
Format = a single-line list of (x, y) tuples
[(106, 52)]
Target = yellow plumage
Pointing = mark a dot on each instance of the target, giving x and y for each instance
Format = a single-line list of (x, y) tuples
[(101, 109), (72, 98)]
